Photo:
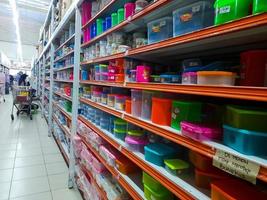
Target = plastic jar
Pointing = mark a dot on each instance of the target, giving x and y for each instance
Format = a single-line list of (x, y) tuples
[(120, 15), (114, 19), (136, 96), (111, 100), (129, 9)]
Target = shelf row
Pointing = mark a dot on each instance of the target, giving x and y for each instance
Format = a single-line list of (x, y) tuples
[(64, 128)]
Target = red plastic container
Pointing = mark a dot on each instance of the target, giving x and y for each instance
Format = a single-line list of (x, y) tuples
[(128, 106), (254, 68), (119, 78), (235, 189), (161, 111)]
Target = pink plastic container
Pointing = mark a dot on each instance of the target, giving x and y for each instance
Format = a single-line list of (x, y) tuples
[(111, 77), (129, 9), (86, 34), (136, 143), (98, 166), (189, 78), (200, 132), (111, 69), (143, 73), (86, 158), (86, 11), (108, 154)]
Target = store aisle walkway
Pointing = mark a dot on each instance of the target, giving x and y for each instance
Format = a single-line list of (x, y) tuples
[(31, 166)]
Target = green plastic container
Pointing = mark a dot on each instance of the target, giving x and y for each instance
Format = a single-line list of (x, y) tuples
[(114, 19), (120, 134), (176, 166), (121, 16), (99, 26), (153, 183), (120, 124), (185, 111), (68, 106), (246, 118), (157, 194), (228, 10), (259, 6), (135, 133)]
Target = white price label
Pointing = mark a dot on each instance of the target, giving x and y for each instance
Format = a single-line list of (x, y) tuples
[(236, 166)]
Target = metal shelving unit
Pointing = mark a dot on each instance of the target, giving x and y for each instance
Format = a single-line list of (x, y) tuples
[(230, 37)]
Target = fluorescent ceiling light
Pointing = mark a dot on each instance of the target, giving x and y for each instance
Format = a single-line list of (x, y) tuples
[(16, 22)]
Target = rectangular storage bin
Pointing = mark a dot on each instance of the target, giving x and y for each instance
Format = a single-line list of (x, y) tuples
[(189, 78), (244, 141), (143, 73), (136, 96), (192, 17), (259, 6), (246, 118), (136, 143), (120, 102), (125, 166), (185, 110), (155, 78), (170, 78), (176, 166), (160, 29), (128, 106), (230, 190), (228, 10), (153, 183), (204, 179), (161, 111), (146, 104), (200, 132), (158, 152), (157, 195), (216, 78)]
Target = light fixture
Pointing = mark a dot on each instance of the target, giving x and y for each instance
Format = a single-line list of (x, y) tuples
[(16, 22)]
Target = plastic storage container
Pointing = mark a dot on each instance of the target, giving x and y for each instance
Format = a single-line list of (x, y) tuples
[(129, 9), (244, 141), (99, 26), (189, 78), (192, 17), (135, 133), (133, 75), (120, 124), (104, 124), (136, 143), (204, 179), (136, 96), (176, 166), (119, 78), (259, 6), (125, 166), (120, 15), (253, 71), (160, 29), (111, 100), (201, 132), (169, 78), (143, 73), (120, 134), (246, 118), (103, 76), (228, 10), (120, 102), (193, 62), (140, 5), (230, 190), (157, 195), (114, 19), (108, 22), (215, 78), (153, 183), (161, 111), (155, 78), (146, 104), (93, 32), (185, 111), (128, 106), (158, 152), (85, 75)]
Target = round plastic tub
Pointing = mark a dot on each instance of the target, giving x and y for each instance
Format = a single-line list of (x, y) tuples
[(161, 111), (128, 106), (120, 124), (215, 78)]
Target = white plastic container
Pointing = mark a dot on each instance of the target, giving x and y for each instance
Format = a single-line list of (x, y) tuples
[(216, 78)]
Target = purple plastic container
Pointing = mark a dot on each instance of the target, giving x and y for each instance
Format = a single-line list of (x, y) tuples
[(136, 143), (201, 132), (189, 78)]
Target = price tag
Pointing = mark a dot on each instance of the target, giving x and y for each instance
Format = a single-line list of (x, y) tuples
[(236, 166), (122, 115), (120, 147), (126, 53)]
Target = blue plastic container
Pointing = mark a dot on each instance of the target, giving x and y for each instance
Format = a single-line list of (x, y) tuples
[(108, 22), (193, 17), (104, 27), (170, 78), (160, 29), (156, 153), (244, 141), (93, 30), (104, 124), (84, 75)]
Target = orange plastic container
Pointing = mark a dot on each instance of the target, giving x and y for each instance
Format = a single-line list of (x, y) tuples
[(161, 111), (235, 189), (201, 162), (128, 106), (119, 78), (204, 179), (125, 166)]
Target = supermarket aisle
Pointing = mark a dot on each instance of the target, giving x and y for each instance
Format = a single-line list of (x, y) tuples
[(31, 166)]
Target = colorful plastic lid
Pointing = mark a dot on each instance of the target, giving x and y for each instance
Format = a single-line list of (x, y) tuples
[(169, 76), (120, 131), (176, 164), (135, 133), (120, 122), (160, 149), (215, 73)]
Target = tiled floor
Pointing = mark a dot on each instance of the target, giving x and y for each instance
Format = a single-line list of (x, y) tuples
[(31, 166)]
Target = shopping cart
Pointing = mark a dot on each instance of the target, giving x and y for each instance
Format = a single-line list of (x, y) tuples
[(2, 92), (22, 100)]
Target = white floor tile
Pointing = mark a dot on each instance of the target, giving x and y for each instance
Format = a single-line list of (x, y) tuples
[(58, 181), (56, 168), (29, 186), (50, 150), (66, 194), (4, 190), (29, 172), (29, 152), (8, 147), (39, 196), (29, 161), (4, 154), (6, 175), (7, 163), (53, 158)]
